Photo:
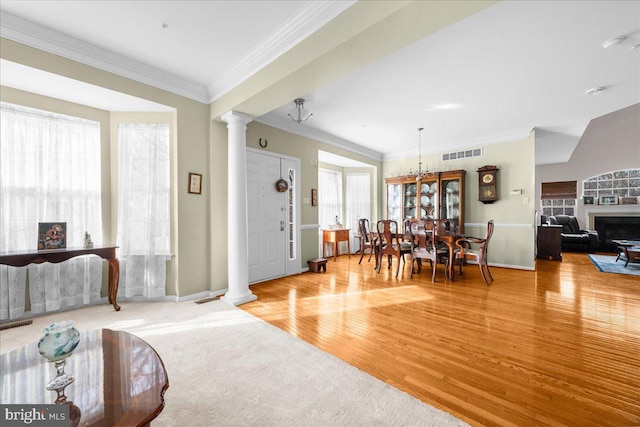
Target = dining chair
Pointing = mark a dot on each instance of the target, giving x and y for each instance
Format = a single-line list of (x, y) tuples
[(367, 239), (423, 246), (389, 244), (465, 251)]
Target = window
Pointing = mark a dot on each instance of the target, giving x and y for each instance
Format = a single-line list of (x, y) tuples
[(329, 198), (143, 208), (622, 183), (358, 199), (49, 171), (559, 198)]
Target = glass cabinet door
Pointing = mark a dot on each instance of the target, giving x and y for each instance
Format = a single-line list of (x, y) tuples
[(410, 191), (394, 202), (428, 199), (450, 199)]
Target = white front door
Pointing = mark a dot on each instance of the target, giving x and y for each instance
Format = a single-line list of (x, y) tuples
[(272, 217)]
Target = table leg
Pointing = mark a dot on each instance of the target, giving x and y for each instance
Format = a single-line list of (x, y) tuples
[(349, 247), (114, 277), (335, 250), (450, 269)]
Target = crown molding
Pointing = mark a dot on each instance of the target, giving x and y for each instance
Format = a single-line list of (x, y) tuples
[(23, 31), (472, 143), (288, 125), (310, 19)]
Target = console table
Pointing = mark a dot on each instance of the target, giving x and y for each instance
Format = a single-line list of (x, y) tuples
[(107, 252), (335, 237)]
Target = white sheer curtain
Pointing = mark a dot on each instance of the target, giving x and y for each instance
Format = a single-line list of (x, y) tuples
[(49, 171), (329, 197), (143, 208), (358, 203)]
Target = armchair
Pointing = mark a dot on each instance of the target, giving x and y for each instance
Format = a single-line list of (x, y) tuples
[(573, 239)]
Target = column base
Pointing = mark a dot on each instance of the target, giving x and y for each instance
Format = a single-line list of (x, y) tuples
[(239, 299)]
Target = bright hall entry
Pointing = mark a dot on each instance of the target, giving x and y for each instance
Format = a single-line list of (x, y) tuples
[(345, 195), (273, 195)]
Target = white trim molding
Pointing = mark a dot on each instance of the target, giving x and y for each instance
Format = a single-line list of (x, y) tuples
[(313, 16), (23, 31), (497, 225), (286, 124), (309, 226)]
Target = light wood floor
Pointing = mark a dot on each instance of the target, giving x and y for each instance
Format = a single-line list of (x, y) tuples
[(559, 346)]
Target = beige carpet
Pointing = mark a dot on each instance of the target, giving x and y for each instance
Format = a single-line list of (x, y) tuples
[(228, 368)]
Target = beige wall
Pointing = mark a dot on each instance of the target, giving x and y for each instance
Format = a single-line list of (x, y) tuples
[(199, 228), (191, 266), (306, 150), (513, 242)]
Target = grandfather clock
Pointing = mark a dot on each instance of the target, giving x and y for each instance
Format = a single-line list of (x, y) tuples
[(488, 184)]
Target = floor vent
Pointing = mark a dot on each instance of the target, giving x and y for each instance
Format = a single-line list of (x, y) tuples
[(15, 324), (205, 300)]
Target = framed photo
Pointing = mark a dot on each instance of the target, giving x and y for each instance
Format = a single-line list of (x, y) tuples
[(628, 200), (52, 235), (195, 183), (588, 200), (314, 197), (608, 200)]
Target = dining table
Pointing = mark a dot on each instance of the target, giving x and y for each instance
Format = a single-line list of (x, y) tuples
[(449, 238), (448, 234)]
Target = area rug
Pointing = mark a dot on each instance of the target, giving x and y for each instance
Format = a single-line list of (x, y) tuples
[(608, 264), (229, 368)]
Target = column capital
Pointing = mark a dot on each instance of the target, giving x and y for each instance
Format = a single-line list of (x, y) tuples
[(234, 117)]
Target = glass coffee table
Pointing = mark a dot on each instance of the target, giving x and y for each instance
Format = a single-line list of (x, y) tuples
[(628, 251), (119, 379)]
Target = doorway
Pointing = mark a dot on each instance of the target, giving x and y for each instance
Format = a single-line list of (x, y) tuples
[(273, 216)]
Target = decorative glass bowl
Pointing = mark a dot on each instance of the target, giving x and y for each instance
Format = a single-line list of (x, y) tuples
[(57, 343)]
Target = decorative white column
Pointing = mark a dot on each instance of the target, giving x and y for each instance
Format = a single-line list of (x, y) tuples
[(238, 247)]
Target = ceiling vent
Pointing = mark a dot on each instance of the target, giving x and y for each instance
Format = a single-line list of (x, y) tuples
[(465, 154)]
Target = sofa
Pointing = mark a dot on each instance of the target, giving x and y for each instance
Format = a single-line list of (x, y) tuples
[(572, 238)]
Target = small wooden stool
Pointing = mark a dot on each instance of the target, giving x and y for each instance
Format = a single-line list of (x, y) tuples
[(317, 264)]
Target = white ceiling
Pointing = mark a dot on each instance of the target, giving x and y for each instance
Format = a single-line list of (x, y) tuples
[(492, 77)]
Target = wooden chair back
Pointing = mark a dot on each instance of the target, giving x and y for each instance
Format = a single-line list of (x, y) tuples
[(367, 239), (480, 255), (389, 242)]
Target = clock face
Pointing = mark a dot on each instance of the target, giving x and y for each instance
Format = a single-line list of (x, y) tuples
[(487, 178)]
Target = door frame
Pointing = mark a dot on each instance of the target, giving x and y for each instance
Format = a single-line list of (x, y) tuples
[(292, 266)]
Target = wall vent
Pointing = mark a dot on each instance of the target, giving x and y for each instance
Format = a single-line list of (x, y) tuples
[(463, 154)]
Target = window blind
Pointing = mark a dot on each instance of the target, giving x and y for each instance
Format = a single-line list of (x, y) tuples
[(559, 190)]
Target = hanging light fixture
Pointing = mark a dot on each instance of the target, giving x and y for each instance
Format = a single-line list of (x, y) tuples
[(419, 174), (299, 114)]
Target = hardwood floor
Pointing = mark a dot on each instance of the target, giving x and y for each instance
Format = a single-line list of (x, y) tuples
[(557, 347)]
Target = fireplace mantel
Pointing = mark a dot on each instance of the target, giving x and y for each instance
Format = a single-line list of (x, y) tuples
[(592, 211)]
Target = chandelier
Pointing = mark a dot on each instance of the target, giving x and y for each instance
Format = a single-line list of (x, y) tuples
[(299, 111), (419, 174)]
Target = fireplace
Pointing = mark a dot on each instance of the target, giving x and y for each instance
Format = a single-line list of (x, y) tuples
[(616, 227)]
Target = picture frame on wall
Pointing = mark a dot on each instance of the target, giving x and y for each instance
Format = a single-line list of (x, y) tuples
[(52, 235), (314, 197), (588, 200), (195, 183), (609, 199), (628, 200)]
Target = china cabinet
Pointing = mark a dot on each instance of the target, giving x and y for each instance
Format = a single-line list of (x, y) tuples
[(437, 196)]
